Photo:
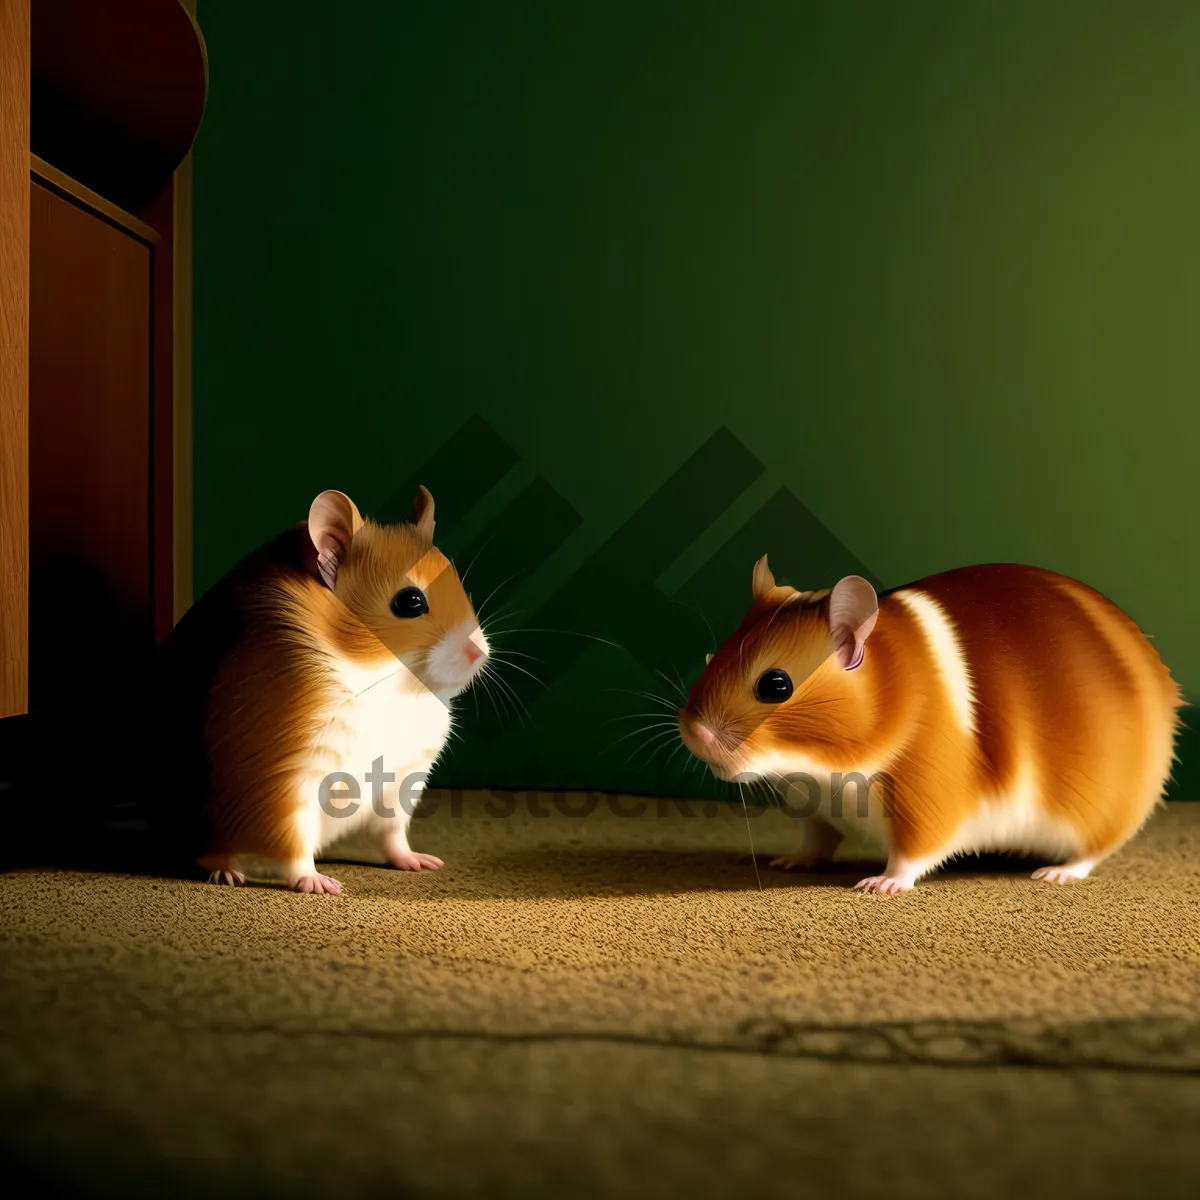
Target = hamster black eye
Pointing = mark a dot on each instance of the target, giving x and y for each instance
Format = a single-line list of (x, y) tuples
[(774, 686), (409, 602)]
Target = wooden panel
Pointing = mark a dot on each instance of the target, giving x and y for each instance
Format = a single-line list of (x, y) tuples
[(61, 184), (14, 355), (90, 439)]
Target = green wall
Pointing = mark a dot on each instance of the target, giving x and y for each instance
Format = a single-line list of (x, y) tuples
[(645, 290)]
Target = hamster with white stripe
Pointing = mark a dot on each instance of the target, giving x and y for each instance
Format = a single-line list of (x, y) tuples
[(998, 708), (304, 699)]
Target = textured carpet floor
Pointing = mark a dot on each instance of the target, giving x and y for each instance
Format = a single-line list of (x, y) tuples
[(606, 1004)]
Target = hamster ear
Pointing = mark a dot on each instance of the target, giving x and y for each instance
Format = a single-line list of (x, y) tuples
[(332, 521), (853, 608), (423, 513), (764, 581)]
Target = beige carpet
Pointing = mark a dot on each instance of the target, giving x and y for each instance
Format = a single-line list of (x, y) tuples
[(607, 1005)]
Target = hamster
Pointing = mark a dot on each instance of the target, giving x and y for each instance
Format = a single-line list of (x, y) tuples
[(998, 708), (304, 699)]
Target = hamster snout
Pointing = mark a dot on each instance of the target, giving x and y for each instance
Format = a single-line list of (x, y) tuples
[(705, 743), (459, 657), (696, 735)]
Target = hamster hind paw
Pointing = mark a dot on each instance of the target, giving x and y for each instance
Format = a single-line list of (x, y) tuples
[(410, 860), (1064, 872), (884, 885), (228, 878)]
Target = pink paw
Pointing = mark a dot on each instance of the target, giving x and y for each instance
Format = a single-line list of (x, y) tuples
[(229, 878), (410, 860), (1063, 873), (883, 885), (317, 885)]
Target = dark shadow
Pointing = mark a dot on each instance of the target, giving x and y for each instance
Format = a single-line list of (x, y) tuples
[(556, 873), (119, 843), (973, 866), (71, 768)]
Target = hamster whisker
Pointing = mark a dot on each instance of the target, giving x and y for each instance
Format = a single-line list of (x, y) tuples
[(573, 633), (490, 676), (652, 745), (475, 559), (657, 730), (518, 667), (670, 704), (674, 753), (750, 835), (634, 716), (698, 613), (487, 691), (679, 748), (505, 614), (490, 623), (480, 607), (658, 741), (486, 682), (506, 652), (506, 686), (769, 796), (383, 679), (641, 747), (671, 683)]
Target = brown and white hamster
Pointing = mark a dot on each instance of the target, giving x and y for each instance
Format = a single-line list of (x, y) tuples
[(998, 708), (303, 700)]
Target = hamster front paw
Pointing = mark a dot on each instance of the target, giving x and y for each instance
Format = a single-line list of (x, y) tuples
[(317, 884), (397, 851)]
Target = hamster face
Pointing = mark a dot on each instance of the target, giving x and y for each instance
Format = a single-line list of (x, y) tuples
[(405, 597), (772, 691)]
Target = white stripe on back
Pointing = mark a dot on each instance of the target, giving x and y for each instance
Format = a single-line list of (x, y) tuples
[(947, 652)]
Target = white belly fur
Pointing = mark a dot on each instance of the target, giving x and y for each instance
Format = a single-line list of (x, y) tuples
[(389, 715), (860, 814), (1015, 821)]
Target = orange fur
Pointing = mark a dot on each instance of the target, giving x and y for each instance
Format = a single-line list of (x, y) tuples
[(250, 679), (1062, 696)]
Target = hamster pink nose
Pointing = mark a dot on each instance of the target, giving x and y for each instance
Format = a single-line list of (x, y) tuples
[(473, 652), (698, 737)]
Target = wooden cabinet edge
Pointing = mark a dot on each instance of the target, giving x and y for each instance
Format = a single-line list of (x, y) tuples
[(54, 180), (14, 357)]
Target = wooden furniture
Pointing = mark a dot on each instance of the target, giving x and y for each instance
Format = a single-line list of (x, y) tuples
[(99, 104), (14, 356)]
